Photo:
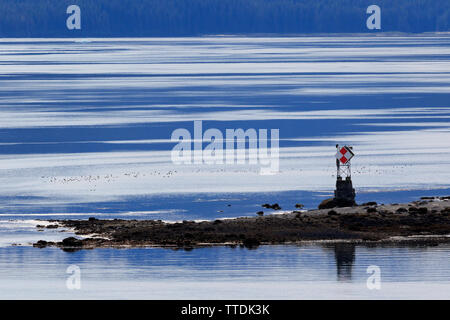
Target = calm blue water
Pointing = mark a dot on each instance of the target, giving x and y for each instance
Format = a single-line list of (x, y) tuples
[(85, 131), (85, 127), (271, 272), (204, 206)]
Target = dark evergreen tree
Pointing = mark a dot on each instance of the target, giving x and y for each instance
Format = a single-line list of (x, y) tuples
[(118, 18)]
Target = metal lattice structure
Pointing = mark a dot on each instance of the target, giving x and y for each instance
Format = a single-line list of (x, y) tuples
[(343, 156)]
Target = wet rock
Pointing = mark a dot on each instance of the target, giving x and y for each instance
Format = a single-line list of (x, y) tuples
[(40, 244), (260, 213), (327, 204), (71, 249), (335, 203), (332, 213), (422, 210), (346, 223), (371, 203), (371, 210), (274, 206), (299, 206), (251, 243), (52, 226), (418, 210), (401, 210), (92, 219), (72, 242)]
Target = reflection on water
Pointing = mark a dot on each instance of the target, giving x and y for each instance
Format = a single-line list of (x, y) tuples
[(344, 254), (272, 272)]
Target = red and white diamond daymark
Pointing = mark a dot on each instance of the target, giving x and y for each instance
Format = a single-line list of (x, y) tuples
[(344, 155)]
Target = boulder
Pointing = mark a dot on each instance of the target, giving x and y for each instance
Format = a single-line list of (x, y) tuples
[(336, 203), (422, 210), (274, 206), (327, 204), (72, 242), (251, 243), (331, 203), (332, 213), (40, 244)]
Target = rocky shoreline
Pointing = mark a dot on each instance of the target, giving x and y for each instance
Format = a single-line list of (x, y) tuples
[(427, 220)]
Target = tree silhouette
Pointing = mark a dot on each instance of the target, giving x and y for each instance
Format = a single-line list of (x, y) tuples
[(118, 18)]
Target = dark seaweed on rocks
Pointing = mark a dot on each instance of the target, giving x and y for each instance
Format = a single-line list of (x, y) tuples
[(357, 223), (274, 206)]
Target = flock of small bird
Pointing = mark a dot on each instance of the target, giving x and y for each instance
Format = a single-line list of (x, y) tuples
[(106, 178), (135, 175)]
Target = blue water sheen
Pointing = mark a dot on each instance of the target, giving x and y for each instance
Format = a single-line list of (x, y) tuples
[(324, 271), (64, 100)]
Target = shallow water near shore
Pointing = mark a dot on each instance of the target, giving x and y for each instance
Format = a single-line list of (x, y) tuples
[(310, 271)]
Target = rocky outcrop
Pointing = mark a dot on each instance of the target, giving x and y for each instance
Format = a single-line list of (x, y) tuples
[(274, 206), (335, 203), (71, 242), (356, 223)]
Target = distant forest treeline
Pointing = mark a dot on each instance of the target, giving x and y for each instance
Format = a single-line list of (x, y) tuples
[(47, 18)]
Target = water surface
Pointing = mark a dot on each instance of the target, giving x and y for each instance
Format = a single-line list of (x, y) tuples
[(328, 271), (85, 131), (86, 126)]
